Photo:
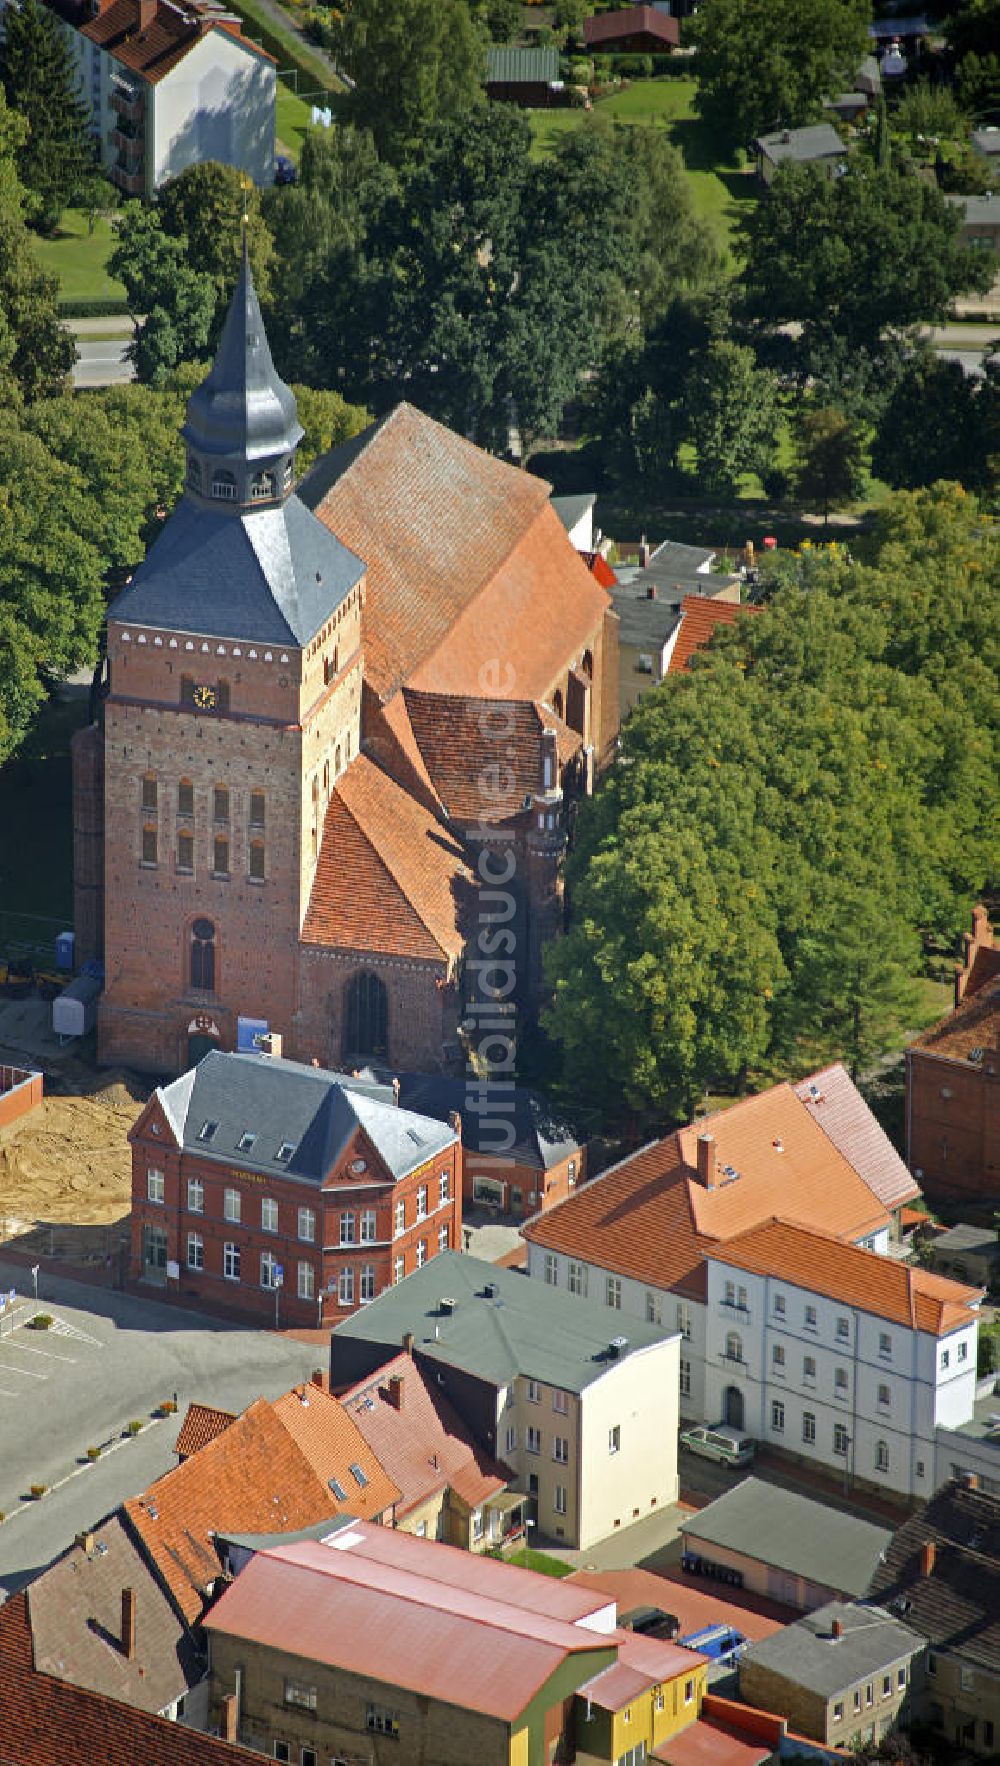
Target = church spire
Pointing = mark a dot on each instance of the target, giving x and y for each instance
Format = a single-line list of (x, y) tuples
[(242, 425)]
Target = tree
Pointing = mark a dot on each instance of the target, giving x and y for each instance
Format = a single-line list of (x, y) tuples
[(328, 420), (933, 426), (36, 352), (829, 467), (56, 161), (854, 257), (768, 64), (731, 409), (178, 301), (204, 206), (415, 64), (502, 18)]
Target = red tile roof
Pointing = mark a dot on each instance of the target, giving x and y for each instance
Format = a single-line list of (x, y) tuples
[(837, 1105), (651, 1218), (466, 561), (422, 1442), (331, 1441), (157, 50), (200, 1426), (483, 755), (984, 968), (974, 1024), (643, 1662), (390, 877), (701, 618), (630, 21), (253, 1478), (335, 1604), (47, 1722), (822, 1264)]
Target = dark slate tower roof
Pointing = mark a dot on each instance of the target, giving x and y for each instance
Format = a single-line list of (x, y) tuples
[(241, 557), (243, 408)]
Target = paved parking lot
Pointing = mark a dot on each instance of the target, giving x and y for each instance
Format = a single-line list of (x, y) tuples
[(108, 1358)]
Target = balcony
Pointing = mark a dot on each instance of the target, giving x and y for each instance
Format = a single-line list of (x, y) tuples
[(132, 182), (127, 101), (129, 147)]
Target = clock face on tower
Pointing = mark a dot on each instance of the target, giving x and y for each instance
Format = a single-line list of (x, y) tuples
[(205, 698)]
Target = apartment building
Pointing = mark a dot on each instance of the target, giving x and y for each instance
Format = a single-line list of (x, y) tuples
[(583, 1412), (837, 1356), (636, 1238), (842, 1675), (285, 1192), (171, 83)]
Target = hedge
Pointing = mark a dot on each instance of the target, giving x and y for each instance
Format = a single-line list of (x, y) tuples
[(93, 307)]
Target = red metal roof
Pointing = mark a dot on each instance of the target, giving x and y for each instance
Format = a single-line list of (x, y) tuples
[(333, 1604), (710, 1742)]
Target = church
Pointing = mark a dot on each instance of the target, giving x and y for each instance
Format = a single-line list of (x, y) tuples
[(342, 725)]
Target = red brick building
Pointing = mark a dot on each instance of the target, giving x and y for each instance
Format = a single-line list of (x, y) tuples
[(520, 1155), (327, 710), (953, 1083), (286, 1192)]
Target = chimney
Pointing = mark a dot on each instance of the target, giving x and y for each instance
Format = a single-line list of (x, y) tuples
[(970, 1480), (86, 1543), (128, 1624), (651, 591), (837, 1629), (928, 1553), (407, 1342), (318, 1378), (147, 14), (707, 1162), (395, 1091), (645, 552), (228, 1725), (397, 1386)]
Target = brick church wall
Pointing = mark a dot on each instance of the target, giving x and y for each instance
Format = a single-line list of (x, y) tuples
[(87, 760), (423, 1009)]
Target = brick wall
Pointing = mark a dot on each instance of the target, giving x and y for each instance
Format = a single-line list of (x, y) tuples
[(953, 1125), (87, 761), (423, 1008)]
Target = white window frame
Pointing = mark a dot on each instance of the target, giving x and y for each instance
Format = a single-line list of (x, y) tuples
[(307, 1225), (231, 1261), (195, 1243), (268, 1214), (306, 1282), (195, 1189), (232, 1207), (155, 1186)]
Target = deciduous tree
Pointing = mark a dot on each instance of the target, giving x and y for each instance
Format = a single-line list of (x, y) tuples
[(768, 64), (414, 65)]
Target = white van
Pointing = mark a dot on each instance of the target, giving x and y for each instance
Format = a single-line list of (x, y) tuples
[(717, 1441)]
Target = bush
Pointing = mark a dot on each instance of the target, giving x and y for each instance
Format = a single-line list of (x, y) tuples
[(42, 1321), (988, 1354), (93, 1453), (38, 1491), (775, 483), (134, 1426), (88, 307), (168, 1407)]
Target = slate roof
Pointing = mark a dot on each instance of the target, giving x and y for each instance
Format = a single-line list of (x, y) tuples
[(423, 1443), (75, 1611), (283, 1102), (806, 1653), (957, 1606), (700, 620), (542, 1135), (243, 406), (524, 1327), (270, 576), (253, 1478), (507, 66), (447, 530), (646, 624), (630, 21), (675, 558), (837, 1105), (790, 1532), (818, 1263), (987, 141), (650, 1217), (48, 1722), (391, 878), (973, 1025), (156, 51), (483, 755), (805, 146), (572, 509), (334, 1604), (980, 1240)]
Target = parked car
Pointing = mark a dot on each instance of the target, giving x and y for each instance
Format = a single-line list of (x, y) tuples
[(717, 1441), (285, 170)]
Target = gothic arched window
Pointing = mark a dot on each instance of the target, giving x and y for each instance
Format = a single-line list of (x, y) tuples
[(366, 1016), (203, 956)]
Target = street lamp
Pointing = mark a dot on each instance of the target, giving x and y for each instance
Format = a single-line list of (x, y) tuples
[(277, 1280), (34, 1278), (848, 1444)]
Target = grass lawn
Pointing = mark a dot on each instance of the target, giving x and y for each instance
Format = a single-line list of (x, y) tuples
[(36, 814), (720, 191), (79, 258), (293, 119), (528, 1559)]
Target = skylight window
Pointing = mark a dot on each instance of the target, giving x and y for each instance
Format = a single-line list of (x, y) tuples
[(246, 1142), (338, 1489), (208, 1131), (285, 1151), (359, 1476), (417, 1139)]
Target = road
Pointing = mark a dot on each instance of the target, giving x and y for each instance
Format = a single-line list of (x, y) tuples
[(966, 344), (110, 1358)]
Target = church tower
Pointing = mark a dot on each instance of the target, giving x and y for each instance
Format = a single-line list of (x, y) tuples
[(233, 704)]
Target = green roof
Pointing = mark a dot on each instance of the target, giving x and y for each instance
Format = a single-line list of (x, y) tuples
[(793, 1533), (521, 67), (494, 1324)]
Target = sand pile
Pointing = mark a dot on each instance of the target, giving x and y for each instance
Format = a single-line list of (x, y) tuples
[(70, 1161)]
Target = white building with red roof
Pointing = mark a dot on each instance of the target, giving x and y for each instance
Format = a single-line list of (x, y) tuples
[(845, 1359)]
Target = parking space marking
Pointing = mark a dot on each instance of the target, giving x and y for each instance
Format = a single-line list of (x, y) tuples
[(29, 1349), (60, 1327), (5, 1394), (26, 1373)]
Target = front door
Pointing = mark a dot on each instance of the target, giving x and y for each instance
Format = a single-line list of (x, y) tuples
[(154, 1254), (198, 1048), (732, 1407)]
